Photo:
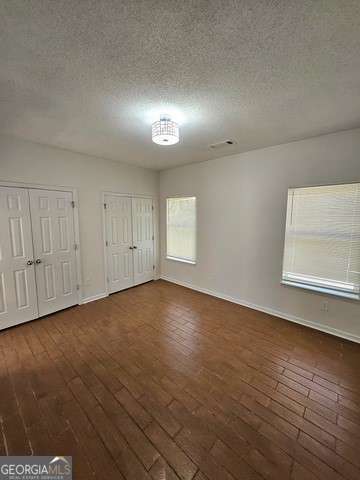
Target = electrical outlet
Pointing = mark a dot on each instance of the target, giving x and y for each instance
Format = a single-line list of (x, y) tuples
[(325, 306)]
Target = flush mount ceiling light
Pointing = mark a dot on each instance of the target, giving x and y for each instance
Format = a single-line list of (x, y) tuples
[(165, 131)]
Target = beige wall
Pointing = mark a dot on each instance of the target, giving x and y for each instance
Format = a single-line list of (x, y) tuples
[(241, 221), (22, 161)]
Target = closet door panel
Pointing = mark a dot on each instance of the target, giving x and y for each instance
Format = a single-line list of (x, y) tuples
[(18, 302), (52, 218), (118, 224), (142, 215)]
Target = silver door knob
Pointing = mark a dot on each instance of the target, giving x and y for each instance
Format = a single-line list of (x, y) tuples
[(38, 260), (30, 262)]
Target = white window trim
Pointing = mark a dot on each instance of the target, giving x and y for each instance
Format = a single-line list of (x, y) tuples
[(180, 259), (327, 291)]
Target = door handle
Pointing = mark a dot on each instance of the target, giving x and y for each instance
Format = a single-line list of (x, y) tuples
[(131, 248), (38, 260), (30, 262), (134, 247)]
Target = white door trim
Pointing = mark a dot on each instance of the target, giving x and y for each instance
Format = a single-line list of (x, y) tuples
[(5, 183), (131, 195)]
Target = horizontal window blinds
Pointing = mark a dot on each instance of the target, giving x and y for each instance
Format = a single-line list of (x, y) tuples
[(322, 241), (181, 228)]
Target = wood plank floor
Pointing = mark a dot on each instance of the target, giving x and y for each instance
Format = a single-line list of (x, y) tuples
[(160, 382)]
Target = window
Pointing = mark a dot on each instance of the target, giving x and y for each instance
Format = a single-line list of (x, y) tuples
[(181, 229), (322, 240)]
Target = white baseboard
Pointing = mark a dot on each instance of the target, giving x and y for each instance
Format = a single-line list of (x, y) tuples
[(93, 298), (270, 311)]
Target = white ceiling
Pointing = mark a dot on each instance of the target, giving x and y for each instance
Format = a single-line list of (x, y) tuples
[(91, 75)]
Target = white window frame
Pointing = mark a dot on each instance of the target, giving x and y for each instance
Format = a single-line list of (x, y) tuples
[(307, 286), (179, 259)]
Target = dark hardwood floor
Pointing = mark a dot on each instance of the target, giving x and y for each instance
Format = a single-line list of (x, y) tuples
[(162, 382)]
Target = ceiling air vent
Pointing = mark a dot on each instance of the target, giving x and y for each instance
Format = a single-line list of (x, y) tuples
[(225, 143)]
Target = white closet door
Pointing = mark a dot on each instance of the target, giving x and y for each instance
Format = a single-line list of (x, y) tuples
[(143, 241), (17, 278), (52, 219), (118, 224)]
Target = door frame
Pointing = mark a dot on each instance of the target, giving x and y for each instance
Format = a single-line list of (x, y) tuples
[(131, 195), (5, 183)]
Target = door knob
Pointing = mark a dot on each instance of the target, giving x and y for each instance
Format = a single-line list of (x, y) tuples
[(135, 247), (131, 248), (30, 262), (38, 260)]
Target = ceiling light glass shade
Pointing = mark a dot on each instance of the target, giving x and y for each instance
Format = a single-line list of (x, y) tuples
[(165, 131)]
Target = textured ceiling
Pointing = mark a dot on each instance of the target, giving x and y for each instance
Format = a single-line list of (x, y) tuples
[(91, 75)]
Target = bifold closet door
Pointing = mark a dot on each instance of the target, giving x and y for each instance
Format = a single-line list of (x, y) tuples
[(52, 219), (18, 301), (143, 240), (118, 224), (129, 241)]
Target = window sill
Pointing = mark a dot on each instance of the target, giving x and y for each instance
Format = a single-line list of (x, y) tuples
[(182, 260), (328, 291)]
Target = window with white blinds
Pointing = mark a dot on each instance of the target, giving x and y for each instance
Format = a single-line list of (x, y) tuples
[(322, 240), (181, 229)]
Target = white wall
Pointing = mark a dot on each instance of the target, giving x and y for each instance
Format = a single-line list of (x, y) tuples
[(22, 161), (241, 224)]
